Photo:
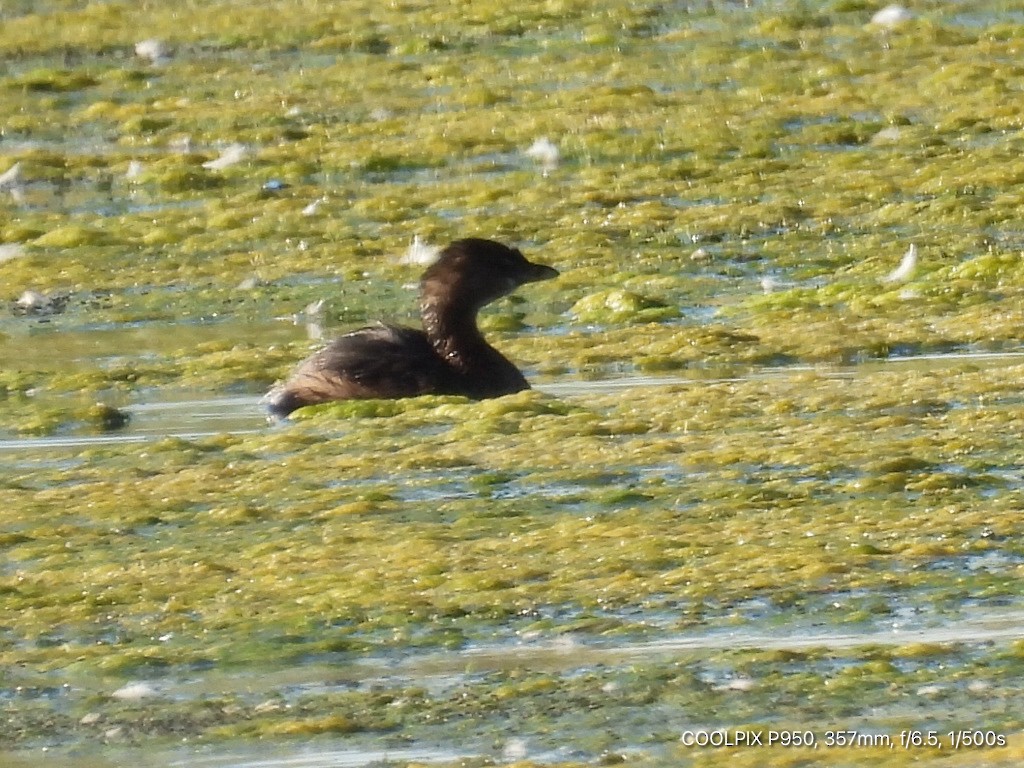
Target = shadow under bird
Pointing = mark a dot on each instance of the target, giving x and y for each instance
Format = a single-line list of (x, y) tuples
[(448, 357)]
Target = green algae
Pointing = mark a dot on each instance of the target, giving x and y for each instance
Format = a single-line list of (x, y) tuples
[(733, 187), (442, 522), (745, 202)]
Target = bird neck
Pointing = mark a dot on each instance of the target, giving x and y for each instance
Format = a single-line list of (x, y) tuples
[(453, 333)]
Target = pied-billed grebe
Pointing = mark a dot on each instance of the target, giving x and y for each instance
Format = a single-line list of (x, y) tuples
[(449, 356)]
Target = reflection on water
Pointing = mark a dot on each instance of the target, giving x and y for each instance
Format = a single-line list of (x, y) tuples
[(445, 670), (262, 757), (315, 758), (186, 418), (45, 345), (988, 628), (166, 413), (191, 415)]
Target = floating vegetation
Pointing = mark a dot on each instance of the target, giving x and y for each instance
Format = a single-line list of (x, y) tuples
[(726, 190)]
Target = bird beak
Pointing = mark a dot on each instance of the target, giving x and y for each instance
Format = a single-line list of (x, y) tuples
[(541, 272)]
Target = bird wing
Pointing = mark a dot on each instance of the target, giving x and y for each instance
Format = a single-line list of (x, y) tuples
[(378, 361)]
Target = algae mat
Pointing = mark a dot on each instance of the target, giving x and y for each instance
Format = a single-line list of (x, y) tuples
[(768, 488)]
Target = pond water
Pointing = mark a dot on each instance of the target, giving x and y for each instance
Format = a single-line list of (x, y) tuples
[(170, 412), (765, 480), (918, 633)]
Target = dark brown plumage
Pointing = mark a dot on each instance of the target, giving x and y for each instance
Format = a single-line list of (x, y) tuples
[(449, 356)]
